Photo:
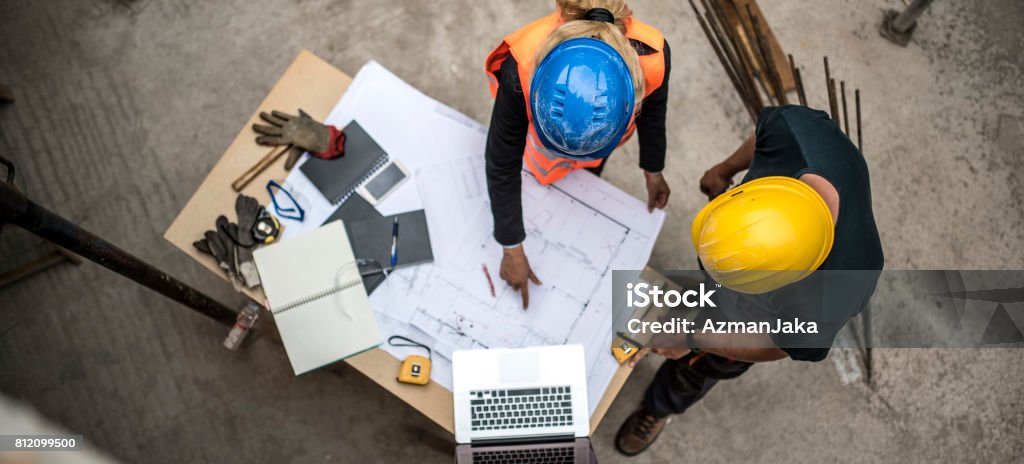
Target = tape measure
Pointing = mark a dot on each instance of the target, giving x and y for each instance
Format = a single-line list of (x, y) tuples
[(267, 228), (415, 368), (623, 349)]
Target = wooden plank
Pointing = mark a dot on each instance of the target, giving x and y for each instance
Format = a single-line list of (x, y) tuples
[(742, 25)]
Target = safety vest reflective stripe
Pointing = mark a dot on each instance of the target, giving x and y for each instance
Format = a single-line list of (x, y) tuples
[(523, 44)]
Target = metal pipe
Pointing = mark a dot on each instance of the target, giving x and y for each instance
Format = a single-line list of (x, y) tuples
[(907, 19), (17, 209)]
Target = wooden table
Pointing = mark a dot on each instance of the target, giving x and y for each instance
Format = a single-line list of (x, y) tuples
[(315, 86)]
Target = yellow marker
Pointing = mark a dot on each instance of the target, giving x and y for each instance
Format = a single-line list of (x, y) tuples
[(415, 370)]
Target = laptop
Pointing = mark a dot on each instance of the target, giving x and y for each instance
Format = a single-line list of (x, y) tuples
[(522, 405)]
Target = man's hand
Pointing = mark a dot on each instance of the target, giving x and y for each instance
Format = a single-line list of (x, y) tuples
[(657, 191), (515, 269), (716, 181), (670, 353), (640, 355)]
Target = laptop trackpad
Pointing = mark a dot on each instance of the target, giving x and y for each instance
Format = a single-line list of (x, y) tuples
[(519, 367)]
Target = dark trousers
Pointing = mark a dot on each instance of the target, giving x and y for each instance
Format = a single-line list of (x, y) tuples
[(682, 382)]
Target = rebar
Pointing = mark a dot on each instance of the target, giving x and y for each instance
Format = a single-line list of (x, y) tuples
[(846, 114)]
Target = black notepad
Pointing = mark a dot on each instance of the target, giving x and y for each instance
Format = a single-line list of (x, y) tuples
[(371, 239), (356, 208), (338, 178)]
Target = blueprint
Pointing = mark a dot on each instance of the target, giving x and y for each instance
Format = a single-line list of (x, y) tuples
[(578, 231), (402, 120)]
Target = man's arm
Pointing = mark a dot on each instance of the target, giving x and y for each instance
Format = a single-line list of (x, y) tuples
[(748, 347), (718, 179)]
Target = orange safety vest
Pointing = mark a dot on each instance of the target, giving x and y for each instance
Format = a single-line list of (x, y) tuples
[(523, 44)]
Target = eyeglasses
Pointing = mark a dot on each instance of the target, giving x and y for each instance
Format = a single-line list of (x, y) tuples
[(291, 210)]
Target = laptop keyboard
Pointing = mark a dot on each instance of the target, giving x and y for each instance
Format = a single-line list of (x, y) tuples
[(520, 408), (544, 455)]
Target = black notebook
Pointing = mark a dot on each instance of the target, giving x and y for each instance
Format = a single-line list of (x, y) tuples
[(338, 178), (371, 240), (356, 208)]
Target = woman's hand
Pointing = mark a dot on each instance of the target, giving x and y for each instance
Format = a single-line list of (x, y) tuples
[(657, 191)]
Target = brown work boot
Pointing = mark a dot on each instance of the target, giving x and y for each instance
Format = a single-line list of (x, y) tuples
[(638, 432)]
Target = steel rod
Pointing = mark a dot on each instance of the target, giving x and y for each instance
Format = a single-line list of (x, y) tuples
[(846, 114), (723, 61), (833, 96), (745, 59), (830, 90), (746, 89), (18, 210), (717, 24), (797, 81), (767, 59), (856, 100)]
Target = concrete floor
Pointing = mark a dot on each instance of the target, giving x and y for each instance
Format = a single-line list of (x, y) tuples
[(122, 107)]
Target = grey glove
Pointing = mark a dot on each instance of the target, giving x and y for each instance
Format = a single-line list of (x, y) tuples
[(301, 132), (231, 244), (247, 209), (218, 244)]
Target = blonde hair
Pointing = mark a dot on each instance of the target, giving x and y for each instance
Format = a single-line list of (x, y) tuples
[(613, 34)]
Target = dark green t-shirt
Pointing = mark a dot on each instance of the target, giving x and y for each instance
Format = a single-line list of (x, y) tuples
[(796, 140)]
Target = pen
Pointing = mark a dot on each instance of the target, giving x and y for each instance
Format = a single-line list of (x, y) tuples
[(394, 243)]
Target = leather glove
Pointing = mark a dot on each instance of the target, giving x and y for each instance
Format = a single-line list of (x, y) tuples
[(302, 133)]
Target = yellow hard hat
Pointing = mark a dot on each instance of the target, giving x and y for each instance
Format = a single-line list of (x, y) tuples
[(764, 234)]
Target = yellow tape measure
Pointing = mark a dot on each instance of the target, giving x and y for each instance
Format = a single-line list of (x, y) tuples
[(415, 368)]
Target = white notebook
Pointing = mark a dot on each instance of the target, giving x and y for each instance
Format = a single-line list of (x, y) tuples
[(317, 297)]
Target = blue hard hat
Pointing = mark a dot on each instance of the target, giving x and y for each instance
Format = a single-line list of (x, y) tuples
[(582, 99)]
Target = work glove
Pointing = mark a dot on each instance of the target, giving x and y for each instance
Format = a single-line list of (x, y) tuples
[(232, 244), (301, 133), (247, 210), (243, 264), (218, 244)]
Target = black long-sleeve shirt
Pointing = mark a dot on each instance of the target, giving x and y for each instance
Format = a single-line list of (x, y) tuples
[(506, 140)]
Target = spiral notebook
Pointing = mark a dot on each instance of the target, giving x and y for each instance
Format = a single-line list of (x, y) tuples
[(338, 178), (316, 296)]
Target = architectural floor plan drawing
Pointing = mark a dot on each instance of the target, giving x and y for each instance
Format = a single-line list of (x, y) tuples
[(578, 231)]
